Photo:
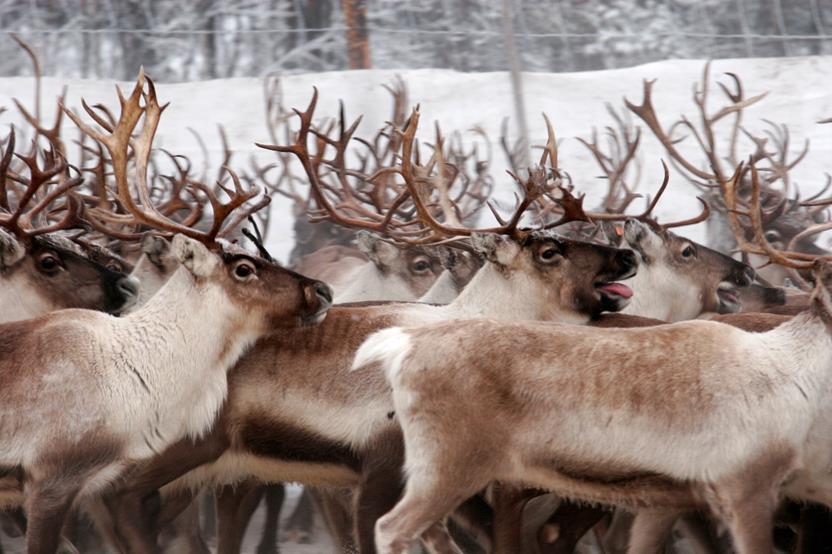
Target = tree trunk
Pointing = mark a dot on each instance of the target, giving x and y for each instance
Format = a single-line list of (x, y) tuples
[(358, 44)]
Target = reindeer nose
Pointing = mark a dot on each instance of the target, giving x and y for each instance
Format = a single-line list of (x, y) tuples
[(324, 293), (627, 259), (746, 276), (128, 287)]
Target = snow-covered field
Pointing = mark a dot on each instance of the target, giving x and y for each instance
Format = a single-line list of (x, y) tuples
[(799, 95)]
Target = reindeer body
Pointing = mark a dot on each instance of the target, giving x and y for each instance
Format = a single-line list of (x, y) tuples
[(295, 412), (744, 409)]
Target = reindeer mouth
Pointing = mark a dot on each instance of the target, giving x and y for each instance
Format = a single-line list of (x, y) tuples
[(614, 290), (728, 297)]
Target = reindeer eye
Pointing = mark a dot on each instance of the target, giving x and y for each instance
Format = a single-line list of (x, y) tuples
[(49, 262), (420, 265), (772, 236), (688, 251), (113, 265), (548, 254), (244, 270)]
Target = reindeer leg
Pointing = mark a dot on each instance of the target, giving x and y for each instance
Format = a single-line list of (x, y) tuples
[(380, 488), (47, 505), (135, 525), (186, 532), (437, 540), (429, 497), (565, 527), (746, 502), (650, 530), (235, 505), (299, 525), (337, 511), (699, 532), (508, 503), (274, 495)]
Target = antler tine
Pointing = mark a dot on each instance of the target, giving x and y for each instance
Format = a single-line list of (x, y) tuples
[(550, 150), (761, 244), (4, 168), (647, 113), (311, 167), (53, 134), (71, 219), (572, 208), (120, 138), (704, 215), (533, 188), (20, 218)]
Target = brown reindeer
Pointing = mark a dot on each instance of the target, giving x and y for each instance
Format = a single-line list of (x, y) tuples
[(40, 270)]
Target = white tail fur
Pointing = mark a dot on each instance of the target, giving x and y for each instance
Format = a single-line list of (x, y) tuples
[(389, 347)]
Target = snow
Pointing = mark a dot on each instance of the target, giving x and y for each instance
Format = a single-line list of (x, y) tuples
[(798, 95)]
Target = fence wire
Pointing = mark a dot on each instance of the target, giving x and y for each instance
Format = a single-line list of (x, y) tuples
[(178, 40)]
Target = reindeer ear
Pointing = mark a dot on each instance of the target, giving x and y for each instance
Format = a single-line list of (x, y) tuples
[(449, 257), (497, 249), (11, 251), (155, 247), (378, 251), (194, 256)]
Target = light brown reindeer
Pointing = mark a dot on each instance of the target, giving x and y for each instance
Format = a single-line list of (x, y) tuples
[(748, 414)]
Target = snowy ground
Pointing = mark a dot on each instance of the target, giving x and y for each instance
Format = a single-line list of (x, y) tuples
[(798, 95)]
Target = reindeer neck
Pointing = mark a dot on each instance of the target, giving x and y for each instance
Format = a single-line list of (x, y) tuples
[(443, 291), (174, 353), (656, 295), (18, 300), (494, 294), (369, 283), (184, 314)]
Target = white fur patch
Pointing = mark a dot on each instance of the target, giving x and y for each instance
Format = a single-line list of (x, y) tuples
[(388, 347), (194, 255)]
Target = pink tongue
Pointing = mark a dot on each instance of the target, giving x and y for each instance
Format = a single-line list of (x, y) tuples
[(618, 289)]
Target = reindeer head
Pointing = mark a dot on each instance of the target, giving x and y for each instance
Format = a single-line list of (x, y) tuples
[(48, 272), (258, 293), (684, 276), (409, 268), (567, 273), (41, 271)]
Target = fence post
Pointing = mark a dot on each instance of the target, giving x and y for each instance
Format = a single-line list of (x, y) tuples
[(516, 83)]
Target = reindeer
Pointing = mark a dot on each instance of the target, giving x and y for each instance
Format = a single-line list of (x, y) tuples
[(284, 443), (41, 271), (737, 471), (507, 285), (785, 216), (131, 357)]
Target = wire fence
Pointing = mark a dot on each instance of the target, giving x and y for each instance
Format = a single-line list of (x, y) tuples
[(179, 40)]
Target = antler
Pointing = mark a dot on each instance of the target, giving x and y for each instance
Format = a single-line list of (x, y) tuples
[(21, 219), (761, 245), (118, 138), (623, 143), (705, 138)]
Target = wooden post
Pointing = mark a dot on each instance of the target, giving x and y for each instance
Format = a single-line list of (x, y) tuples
[(358, 43)]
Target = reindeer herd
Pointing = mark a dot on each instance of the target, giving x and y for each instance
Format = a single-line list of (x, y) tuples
[(563, 376)]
